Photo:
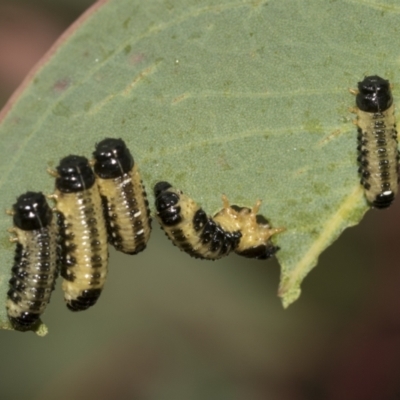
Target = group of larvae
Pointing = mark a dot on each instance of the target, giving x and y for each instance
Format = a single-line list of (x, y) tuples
[(104, 201), (95, 203)]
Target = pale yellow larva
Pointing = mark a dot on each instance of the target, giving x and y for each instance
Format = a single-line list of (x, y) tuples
[(35, 263), (377, 141), (189, 227), (124, 198), (84, 252)]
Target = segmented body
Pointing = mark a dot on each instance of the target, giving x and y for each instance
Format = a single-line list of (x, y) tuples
[(124, 197), (189, 227), (377, 141), (35, 263), (84, 253)]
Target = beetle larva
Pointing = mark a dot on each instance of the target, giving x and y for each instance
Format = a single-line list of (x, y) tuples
[(255, 229), (35, 268), (377, 141), (84, 253), (126, 208), (189, 227)]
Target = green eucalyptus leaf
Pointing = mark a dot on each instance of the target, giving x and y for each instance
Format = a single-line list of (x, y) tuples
[(244, 98)]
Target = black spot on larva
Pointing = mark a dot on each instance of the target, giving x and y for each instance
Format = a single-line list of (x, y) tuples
[(199, 220), (179, 236), (17, 284), (25, 321), (87, 299), (18, 271), (261, 220), (262, 252), (35, 262), (166, 200), (384, 200), (208, 231), (237, 208), (75, 174), (139, 248)]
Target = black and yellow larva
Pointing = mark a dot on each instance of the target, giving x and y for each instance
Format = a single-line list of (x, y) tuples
[(84, 252), (189, 227), (255, 229), (35, 263), (377, 140), (124, 198)]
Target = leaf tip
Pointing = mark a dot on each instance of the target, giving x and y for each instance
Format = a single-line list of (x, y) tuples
[(289, 292), (289, 287)]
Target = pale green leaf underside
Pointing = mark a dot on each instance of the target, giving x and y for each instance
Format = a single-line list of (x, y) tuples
[(246, 98)]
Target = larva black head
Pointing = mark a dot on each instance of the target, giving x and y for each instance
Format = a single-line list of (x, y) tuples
[(374, 94), (160, 187), (75, 174), (112, 158), (31, 211)]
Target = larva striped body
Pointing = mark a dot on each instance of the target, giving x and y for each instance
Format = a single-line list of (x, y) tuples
[(377, 141), (188, 226), (35, 269), (256, 233), (84, 253), (126, 208)]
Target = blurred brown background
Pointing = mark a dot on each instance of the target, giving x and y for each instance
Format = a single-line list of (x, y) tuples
[(169, 327)]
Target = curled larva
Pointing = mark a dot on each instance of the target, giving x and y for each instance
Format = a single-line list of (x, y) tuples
[(377, 141), (256, 232), (189, 227), (83, 243), (35, 263), (124, 198)]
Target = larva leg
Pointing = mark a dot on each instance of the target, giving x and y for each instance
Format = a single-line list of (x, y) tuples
[(256, 207), (52, 172), (225, 202)]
